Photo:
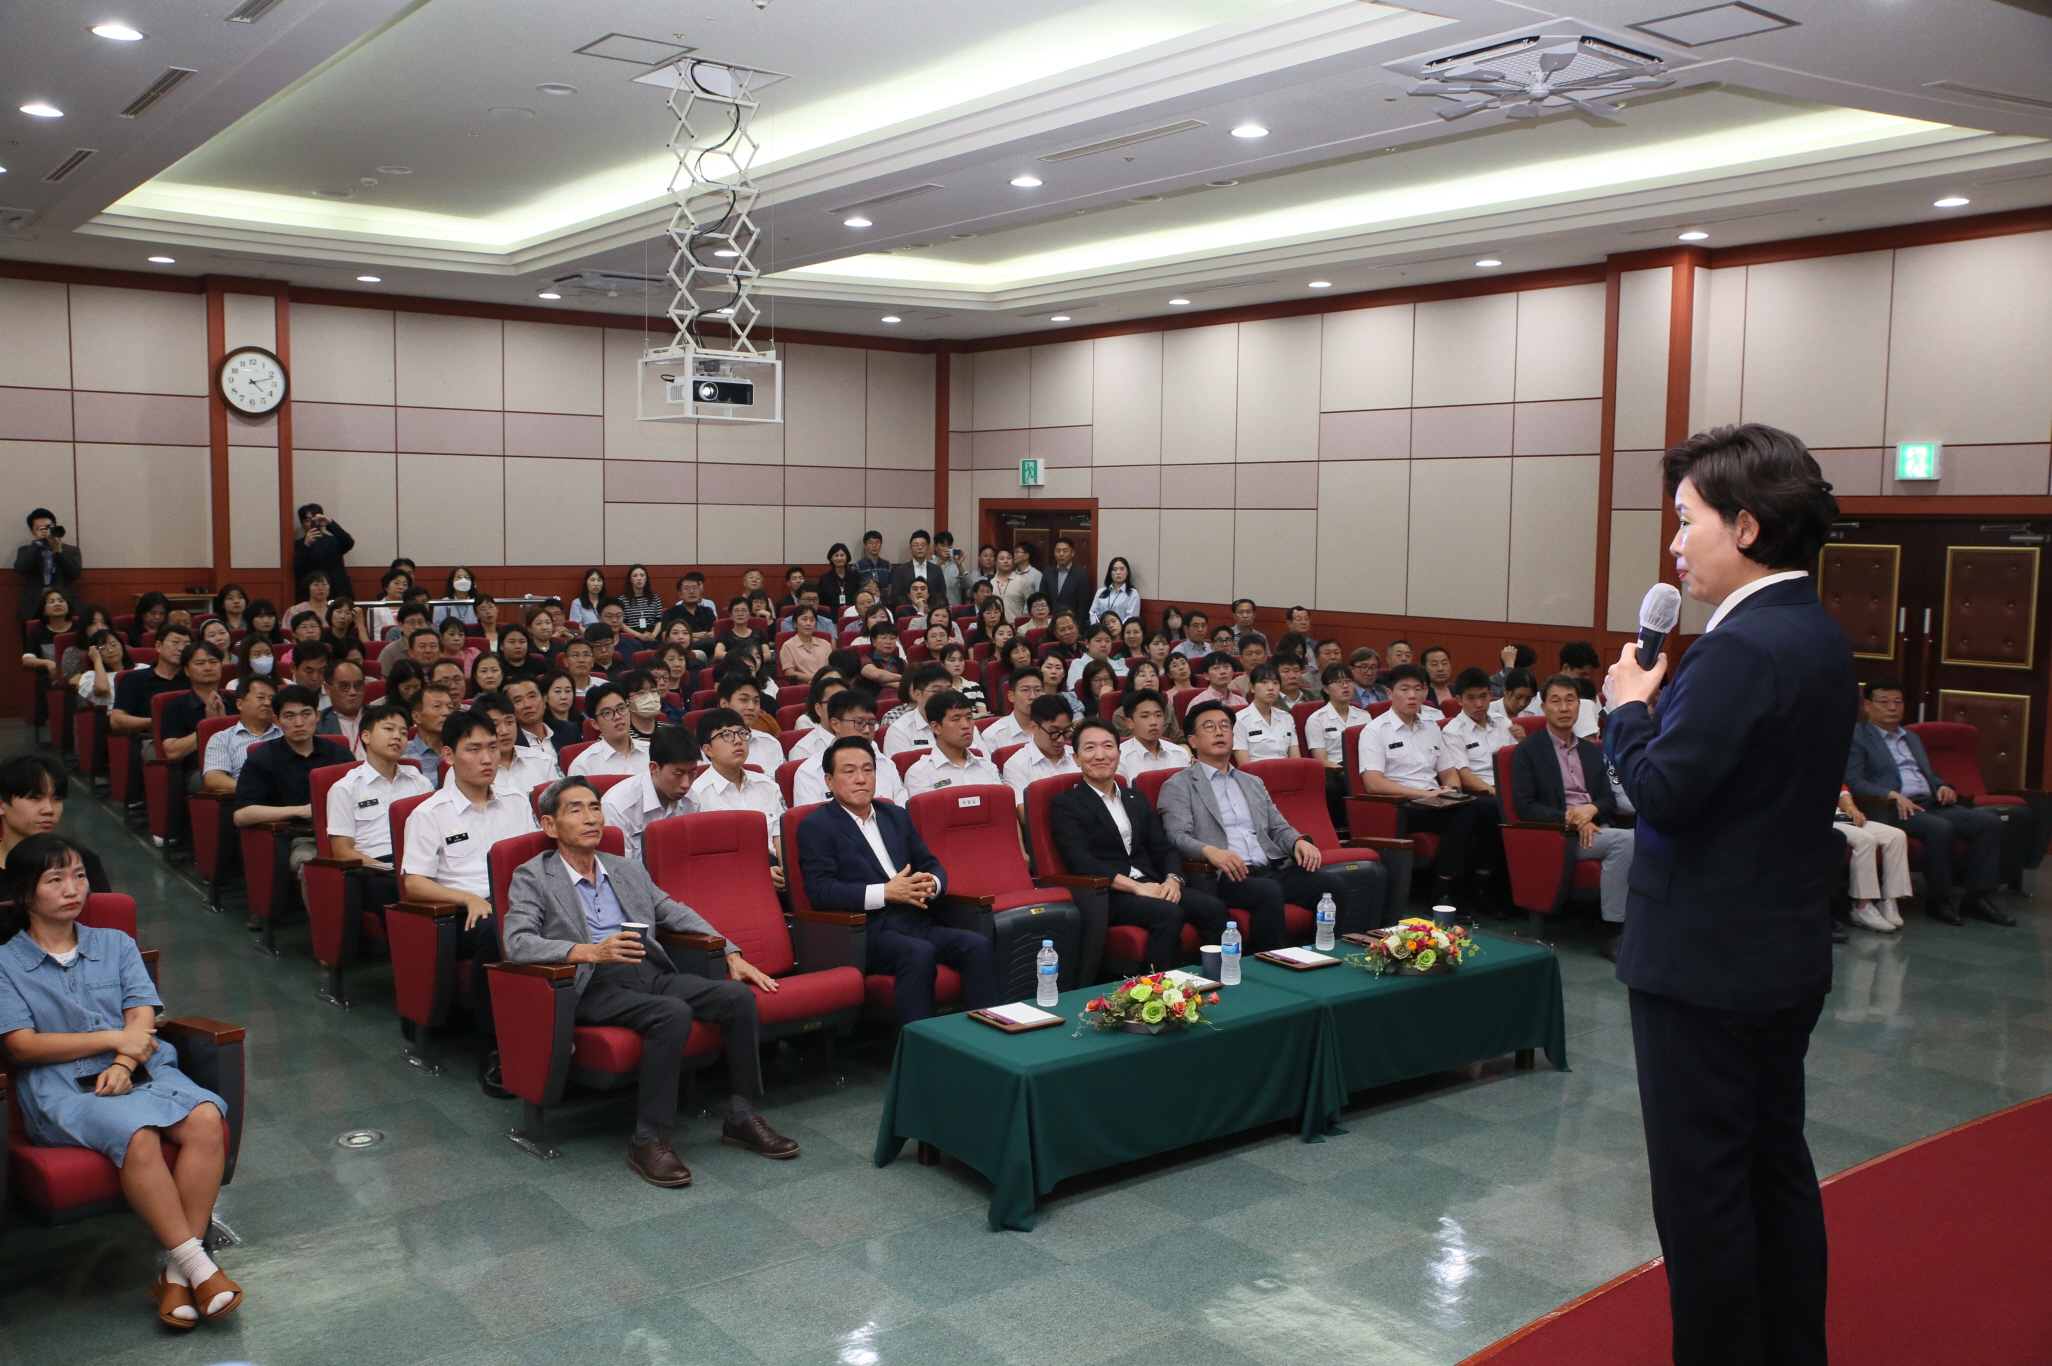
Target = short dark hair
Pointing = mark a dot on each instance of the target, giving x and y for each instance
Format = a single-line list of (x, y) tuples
[(872, 535), (30, 775), (202, 648), (928, 674), (850, 699), (826, 759), (413, 609), (1017, 676), (1248, 601), (1520, 678), (1336, 673), (385, 711), (295, 695), (1525, 657), (717, 719), (490, 701), (413, 637), (39, 512), (733, 681), (1767, 472), (941, 703), (1240, 643), (1401, 672), (1568, 681), (1130, 703), (673, 745), (1048, 707), (32, 858), (1263, 673), (598, 631), (1214, 659), (1092, 723), (1209, 704), (1878, 683), (345, 663), (463, 724), (883, 628), (1469, 677), (1579, 654), (599, 693)]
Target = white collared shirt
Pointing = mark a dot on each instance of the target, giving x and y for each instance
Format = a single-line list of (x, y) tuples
[(1135, 760), (527, 770), (1326, 729), (1413, 755), (765, 751), (450, 841), (1586, 726), (808, 784), (1116, 806), (635, 804), (1006, 730), (909, 731), (872, 835), (1269, 738), (600, 757), (813, 745), (1474, 747), (360, 806), (1029, 766), (712, 792), (1739, 595), (935, 770)]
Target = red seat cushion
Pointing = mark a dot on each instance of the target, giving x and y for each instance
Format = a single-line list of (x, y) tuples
[(1588, 875), (61, 1178), (1128, 943), (805, 995), (880, 992), (614, 1049)]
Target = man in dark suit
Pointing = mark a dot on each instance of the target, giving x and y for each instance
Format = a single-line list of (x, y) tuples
[(921, 567), (1727, 947), (1556, 776), (46, 563), (1105, 830), (1068, 585), (847, 851), (1888, 765)]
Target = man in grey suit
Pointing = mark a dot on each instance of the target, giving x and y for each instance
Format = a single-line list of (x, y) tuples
[(568, 905), (1888, 764), (1215, 812)]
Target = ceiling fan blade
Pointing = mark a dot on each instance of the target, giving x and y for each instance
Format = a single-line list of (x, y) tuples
[(1450, 112), (1525, 109), (1470, 73), (1594, 108), (1558, 59)]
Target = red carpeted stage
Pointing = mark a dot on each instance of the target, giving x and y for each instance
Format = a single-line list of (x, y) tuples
[(1941, 1254)]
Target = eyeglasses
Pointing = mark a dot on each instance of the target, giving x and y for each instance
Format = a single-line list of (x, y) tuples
[(732, 735), (340, 686), (610, 713), (1215, 727), (1057, 732), (860, 722)]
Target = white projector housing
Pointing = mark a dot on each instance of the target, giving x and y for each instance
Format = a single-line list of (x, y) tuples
[(689, 383)]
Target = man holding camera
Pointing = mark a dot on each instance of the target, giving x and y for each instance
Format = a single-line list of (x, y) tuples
[(322, 544), (45, 563)]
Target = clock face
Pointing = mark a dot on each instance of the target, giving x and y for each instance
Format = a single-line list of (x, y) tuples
[(252, 380)]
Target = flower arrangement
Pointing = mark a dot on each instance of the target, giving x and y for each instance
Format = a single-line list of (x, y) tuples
[(1414, 947), (1149, 1004)]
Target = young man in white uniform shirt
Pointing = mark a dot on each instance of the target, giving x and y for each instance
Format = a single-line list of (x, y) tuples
[(765, 751), (911, 731), (661, 792), (1048, 754), (1404, 754), (616, 750), (1474, 737), (522, 768), (1147, 713), (360, 803), (725, 784), (1015, 726), (955, 759)]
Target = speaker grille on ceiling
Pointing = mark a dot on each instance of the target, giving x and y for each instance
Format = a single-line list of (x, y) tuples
[(893, 197), (14, 220), (249, 11), (68, 165), (173, 77), (1126, 140)]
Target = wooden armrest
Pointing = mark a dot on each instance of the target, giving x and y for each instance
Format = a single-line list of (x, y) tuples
[(340, 865), (149, 955), (1073, 880), (964, 899), (2024, 792), (199, 1027), (832, 917), (1386, 798), (550, 972), (215, 797), (1197, 867), (704, 943), (1378, 842), (277, 827), (163, 763), (434, 910), (1561, 826)]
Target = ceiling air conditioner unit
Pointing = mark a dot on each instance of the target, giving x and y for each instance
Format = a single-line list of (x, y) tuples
[(1561, 66)]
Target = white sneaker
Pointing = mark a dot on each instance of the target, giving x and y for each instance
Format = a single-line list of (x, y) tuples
[(1867, 918), (1889, 913)]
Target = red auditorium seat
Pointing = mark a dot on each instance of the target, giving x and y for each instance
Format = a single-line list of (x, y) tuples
[(1382, 817), (788, 715), (1300, 712), (124, 755), (1297, 786), (974, 832), (59, 700), (336, 915), (1540, 856), (1530, 725), (1004, 754), (1954, 749), (163, 788), (568, 754), (1098, 940), (214, 839), (426, 974), (266, 868), (908, 758)]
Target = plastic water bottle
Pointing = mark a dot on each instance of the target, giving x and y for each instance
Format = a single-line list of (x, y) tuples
[(1328, 919), (1047, 968), (1229, 956)]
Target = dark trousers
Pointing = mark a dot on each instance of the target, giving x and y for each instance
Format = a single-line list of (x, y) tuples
[(660, 1006), (1469, 834), (906, 943), (480, 944), (1356, 894), (1735, 1196), (1937, 826), (1164, 920)]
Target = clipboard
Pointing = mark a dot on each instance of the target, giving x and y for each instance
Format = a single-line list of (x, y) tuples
[(1441, 800), (1007, 1027), (1282, 962)]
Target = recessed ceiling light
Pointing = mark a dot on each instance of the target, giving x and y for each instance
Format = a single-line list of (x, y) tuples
[(726, 251), (43, 111), (961, 236), (395, 170), (510, 111), (1488, 261), (892, 318), (1321, 284), (723, 312), (120, 33), (1026, 182), (163, 260), (1694, 235), (548, 294), (371, 279), (556, 88), (1177, 303), (1250, 130), (1951, 201), (1220, 184), (857, 222), (1059, 318)]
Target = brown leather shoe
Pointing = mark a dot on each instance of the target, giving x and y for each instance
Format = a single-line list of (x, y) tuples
[(657, 1163), (1610, 946), (755, 1134)]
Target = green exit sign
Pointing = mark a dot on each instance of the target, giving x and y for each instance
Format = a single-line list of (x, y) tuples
[(1031, 476), (1917, 460)]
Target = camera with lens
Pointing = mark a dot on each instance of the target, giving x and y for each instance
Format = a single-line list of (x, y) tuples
[(57, 533)]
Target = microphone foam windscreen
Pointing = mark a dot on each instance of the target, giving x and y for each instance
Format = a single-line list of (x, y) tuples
[(1661, 608)]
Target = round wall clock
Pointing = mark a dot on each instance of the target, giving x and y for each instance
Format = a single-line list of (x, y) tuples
[(252, 381)]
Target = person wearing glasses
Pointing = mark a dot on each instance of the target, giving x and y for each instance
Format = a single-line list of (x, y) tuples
[(1046, 753), (850, 712), (343, 719), (728, 785), (616, 750)]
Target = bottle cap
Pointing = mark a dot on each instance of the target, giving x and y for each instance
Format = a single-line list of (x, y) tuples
[(1047, 943)]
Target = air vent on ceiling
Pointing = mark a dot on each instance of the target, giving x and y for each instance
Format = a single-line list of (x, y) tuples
[(14, 220), (1983, 92), (611, 283), (625, 47), (173, 77), (249, 11), (68, 165), (893, 197), (1716, 24), (1126, 140)]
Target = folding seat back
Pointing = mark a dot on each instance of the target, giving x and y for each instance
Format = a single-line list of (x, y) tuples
[(423, 941), (214, 842), (1300, 712), (124, 754), (568, 754), (1297, 787), (984, 723), (1954, 749), (1180, 701), (1539, 855), (1376, 709), (591, 730), (789, 715), (794, 694), (337, 918), (509, 854), (973, 831), (163, 786), (787, 777), (909, 757), (789, 738), (1530, 725), (1150, 783), (705, 699), (373, 691), (1004, 754), (837, 938)]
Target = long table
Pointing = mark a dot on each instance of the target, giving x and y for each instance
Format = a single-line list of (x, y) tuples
[(1027, 1110)]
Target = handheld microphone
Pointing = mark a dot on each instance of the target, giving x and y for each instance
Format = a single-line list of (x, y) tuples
[(1658, 614)]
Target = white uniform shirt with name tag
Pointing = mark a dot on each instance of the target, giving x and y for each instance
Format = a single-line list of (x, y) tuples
[(935, 770), (1412, 755), (635, 805), (909, 731), (765, 751), (1326, 729), (813, 745), (1474, 747), (712, 792), (1262, 737), (601, 757), (1134, 759), (1029, 766), (450, 841), (360, 806), (808, 784), (529, 768), (1006, 730)]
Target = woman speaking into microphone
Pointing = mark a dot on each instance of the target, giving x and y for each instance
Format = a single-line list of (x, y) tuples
[(1727, 940)]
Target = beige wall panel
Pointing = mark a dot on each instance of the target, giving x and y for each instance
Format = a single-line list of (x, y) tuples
[(1969, 353), (443, 362), (1465, 351), (1817, 347), (1061, 483), (1136, 534), (825, 399), (39, 474), (1003, 389), (1199, 385), (361, 489), (1644, 301), (1699, 351), (1465, 504), (758, 443), (808, 531), (249, 320), (1553, 539), (1365, 359), (431, 484), (1364, 535), (899, 387), (1560, 343), (1275, 559), (1279, 380), (897, 525), (137, 341), (253, 529), (555, 512), (1718, 399), (961, 393), (651, 533), (144, 507), (735, 534), (1060, 385), (962, 518), (37, 317), (342, 355), (1634, 565), (1196, 555), (555, 368), (628, 438), (1125, 400)]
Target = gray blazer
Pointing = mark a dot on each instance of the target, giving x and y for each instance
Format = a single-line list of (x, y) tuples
[(543, 917), (1870, 769), (1190, 815)]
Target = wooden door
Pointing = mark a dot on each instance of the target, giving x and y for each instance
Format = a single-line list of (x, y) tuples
[(1037, 522)]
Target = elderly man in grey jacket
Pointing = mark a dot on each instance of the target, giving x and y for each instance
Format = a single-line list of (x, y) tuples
[(569, 905), (1215, 812)]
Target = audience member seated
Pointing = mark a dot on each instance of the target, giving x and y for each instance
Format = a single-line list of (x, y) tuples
[(1514, 657), (1325, 732), (851, 713), (1022, 689), (1558, 776), (570, 904), (1046, 753), (1520, 692), (118, 1091), (740, 694), (954, 759), (1878, 873), (255, 723), (1473, 737), (1399, 653), (342, 721), (883, 663), (1215, 812), (435, 705), (860, 855), (1579, 661), (33, 789), (1218, 682), (413, 619), (1404, 754), (525, 695), (805, 653), (1147, 748), (179, 741), (359, 814), (1365, 665), (907, 721), (522, 768), (1243, 621), (1107, 830), (131, 711), (1252, 652), (1888, 765), (674, 762), (616, 750), (276, 783), (1264, 729), (726, 784)]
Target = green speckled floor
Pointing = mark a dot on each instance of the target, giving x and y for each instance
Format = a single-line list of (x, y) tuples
[(1454, 1209)]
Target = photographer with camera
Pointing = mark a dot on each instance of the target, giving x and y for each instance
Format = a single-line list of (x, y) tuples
[(322, 544), (46, 563)]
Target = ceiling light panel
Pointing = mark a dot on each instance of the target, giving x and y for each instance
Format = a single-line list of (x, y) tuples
[(1716, 24), (625, 47), (1091, 149), (118, 33), (40, 110)]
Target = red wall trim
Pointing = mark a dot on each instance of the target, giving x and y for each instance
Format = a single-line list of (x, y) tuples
[(1968, 229), (1606, 463), (217, 421), (95, 275), (943, 405), (286, 455)]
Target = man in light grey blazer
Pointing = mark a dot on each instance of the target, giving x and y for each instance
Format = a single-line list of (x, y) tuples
[(1215, 812), (567, 905)]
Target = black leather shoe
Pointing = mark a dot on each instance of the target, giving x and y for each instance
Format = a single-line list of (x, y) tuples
[(1979, 907), (1940, 910), (489, 1078), (1609, 947), (1839, 934)]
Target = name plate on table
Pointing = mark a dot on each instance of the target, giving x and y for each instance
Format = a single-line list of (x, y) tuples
[(1016, 1018), (1191, 981), (1303, 960)]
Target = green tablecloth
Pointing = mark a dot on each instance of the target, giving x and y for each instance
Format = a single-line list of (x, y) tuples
[(1389, 1029), (1028, 1109)]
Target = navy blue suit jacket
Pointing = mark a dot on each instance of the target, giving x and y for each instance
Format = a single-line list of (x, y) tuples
[(838, 865), (1539, 792), (1870, 770), (1735, 781)]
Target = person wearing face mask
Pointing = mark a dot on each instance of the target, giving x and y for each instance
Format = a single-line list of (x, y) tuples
[(644, 704), (462, 584)]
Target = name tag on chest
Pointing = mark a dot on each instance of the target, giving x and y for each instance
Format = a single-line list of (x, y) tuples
[(1396, 744), (369, 802), (457, 838)]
